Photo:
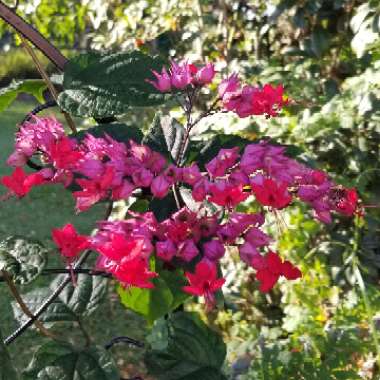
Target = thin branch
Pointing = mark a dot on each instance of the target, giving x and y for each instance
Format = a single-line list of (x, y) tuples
[(17, 296), (45, 77)]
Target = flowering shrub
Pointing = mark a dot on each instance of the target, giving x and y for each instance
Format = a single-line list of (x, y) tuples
[(198, 218)]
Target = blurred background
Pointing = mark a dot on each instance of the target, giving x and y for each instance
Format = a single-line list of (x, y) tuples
[(327, 55)]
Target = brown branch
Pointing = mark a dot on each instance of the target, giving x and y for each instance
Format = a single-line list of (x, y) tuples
[(40, 42), (17, 296), (45, 77)]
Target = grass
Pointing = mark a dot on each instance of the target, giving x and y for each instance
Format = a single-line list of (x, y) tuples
[(34, 216)]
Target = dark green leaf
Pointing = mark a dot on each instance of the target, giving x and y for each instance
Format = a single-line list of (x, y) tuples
[(56, 312), (165, 136), (163, 208), (118, 131), (24, 259), (75, 301), (55, 361), (100, 85), (319, 41), (188, 349), (33, 87), (7, 371), (85, 297)]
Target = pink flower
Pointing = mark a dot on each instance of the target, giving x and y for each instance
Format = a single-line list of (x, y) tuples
[(205, 75), (200, 190), (142, 177), (122, 191), (229, 85), (213, 250), (69, 242), (163, 81), (204, 282), (187, 250), (160, 186), (165, 250), (225, 159), (181, 74), (190, 174)]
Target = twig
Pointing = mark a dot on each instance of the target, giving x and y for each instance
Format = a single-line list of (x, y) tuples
[(45, 77), (123, 339), (17, 296)]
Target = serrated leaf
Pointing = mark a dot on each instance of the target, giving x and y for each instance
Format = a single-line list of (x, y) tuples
[(189, 350), (22, 258), (72, 303), (118, 131), (56, 312), (33, 87), (7, 371), (165, 136), (85, 297), (60, 361), (101, 85)]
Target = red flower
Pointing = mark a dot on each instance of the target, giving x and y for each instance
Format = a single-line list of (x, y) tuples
[(204, 282), (270, 270), (93, 190), (347, 202), (272, 194), (20, 183), (69, 242), (119, 247), (224, 194), (135, 273), (64, 153)]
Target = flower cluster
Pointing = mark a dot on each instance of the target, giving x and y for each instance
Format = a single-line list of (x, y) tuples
[(101, 168), (181, 75), (249, 100), (244, 100)]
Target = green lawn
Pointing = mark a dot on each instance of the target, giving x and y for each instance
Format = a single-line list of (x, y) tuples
[(34, 216)]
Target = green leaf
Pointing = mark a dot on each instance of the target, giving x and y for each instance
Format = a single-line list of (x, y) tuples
[(150, 303), (320, 41), (101, 85), (22, 258), (188, 349), (165, 136), (85, 297), (163, 208), (73, 302), (56, 312), (118, 131), (154, 303), (55, 361), (7, 371), (33, 87)]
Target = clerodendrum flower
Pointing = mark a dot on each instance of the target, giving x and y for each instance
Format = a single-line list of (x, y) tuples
[(204, 282)]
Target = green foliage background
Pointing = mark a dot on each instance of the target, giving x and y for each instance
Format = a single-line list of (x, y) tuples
[(327, 55)]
